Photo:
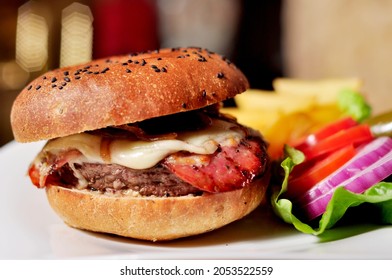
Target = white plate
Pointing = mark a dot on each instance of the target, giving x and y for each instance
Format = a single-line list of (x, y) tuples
[(31, 230)]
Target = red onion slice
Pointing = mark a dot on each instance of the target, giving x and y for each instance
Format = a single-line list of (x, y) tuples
[(372, 164)]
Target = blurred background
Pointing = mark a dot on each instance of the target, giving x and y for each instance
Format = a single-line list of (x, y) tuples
[(307, 39)]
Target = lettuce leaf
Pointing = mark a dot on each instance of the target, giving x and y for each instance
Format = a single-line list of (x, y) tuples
[(353, 104), (378, 196)]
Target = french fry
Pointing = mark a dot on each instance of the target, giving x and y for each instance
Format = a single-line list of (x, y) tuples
[(285, 129), (292, 110), (260, 120), (324, 114), (254, 99), (324, 90), (289, 128)]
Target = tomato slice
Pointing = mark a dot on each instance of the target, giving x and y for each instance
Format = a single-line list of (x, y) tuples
[(314, 138), (309, 173), (356, 135)]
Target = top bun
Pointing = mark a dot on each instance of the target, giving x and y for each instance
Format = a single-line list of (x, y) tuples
[(122, 89)]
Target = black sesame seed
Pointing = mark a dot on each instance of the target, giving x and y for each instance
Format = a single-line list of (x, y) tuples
[(108, 61), (96, 72), (159, 58), (87, 67), (89, 72), (63, 84), (136, 62), (220, 75), (183, 105), (38, 87), (128, 71), (105, 70), (54, 85), (163, 69), (54, 79), (157, 70), (154, 66), (77, 77), (60, 87), (202, 59), (67, 79), (130, 61), (66, 73), (204, 93), (44, 77), (84, 70), (30, 86), (143, 62), (124, 63), (226, 60)]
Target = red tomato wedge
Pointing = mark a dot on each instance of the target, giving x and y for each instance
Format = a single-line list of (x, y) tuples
[(355, 135), (309, 173), (314, 138), (325, 152)]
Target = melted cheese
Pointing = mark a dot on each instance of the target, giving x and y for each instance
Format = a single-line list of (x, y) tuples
[(144, 154)]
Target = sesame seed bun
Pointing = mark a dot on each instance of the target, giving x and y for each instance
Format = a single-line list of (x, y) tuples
[(122, 89), (127, 89)]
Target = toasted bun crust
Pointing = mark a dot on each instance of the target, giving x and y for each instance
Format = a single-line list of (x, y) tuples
[(122, 89), (152, 218)]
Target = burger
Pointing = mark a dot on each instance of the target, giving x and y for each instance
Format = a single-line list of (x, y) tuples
[(136, 145)]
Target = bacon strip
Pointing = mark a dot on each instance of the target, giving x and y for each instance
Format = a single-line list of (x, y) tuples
[(230, 168), (42, 173)]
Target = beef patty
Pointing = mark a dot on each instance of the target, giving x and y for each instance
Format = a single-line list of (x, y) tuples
[(112, 178)]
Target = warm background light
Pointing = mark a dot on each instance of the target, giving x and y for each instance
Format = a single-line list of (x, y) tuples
[(76, 35), (32, 34), (307, 39), (12, 76)]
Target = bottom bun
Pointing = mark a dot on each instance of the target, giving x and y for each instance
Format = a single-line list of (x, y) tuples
[(154, 218)]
